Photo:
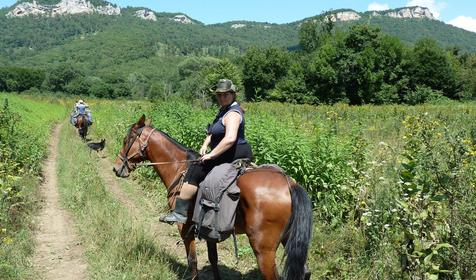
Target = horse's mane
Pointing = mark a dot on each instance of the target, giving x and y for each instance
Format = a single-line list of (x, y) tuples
[(191, 154)]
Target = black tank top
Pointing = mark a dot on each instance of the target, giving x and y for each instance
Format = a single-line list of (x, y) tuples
[(217, 129)]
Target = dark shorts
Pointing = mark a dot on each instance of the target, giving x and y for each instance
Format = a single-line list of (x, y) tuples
[(198, 171)]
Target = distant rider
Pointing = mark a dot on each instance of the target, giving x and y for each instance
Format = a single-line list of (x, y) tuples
[(81, 108)]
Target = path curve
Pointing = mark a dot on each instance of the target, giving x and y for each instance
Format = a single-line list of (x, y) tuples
[(59, 254)]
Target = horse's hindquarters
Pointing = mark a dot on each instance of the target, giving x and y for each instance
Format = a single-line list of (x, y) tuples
[(265, 202), (82, 125)]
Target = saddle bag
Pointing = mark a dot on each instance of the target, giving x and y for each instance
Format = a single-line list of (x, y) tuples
[(215, 208)]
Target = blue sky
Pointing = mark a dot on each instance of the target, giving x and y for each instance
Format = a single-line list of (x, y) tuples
[(461, 13)]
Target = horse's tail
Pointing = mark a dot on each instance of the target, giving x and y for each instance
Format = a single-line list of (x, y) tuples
[(298, 234), (82, 125)]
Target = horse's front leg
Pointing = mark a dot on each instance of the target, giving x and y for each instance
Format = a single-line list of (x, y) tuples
[(189, 241), (213, 258)]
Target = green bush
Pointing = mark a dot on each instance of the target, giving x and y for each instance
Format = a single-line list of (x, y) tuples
[(422, 94)]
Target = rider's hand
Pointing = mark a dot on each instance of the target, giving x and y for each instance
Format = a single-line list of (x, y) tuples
[(206, 157), (203, 150)]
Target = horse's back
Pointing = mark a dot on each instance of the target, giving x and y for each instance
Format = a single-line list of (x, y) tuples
[(81, 120), (265, 200)]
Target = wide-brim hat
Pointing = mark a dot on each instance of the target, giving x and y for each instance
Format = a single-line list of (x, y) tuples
[(225, 85)]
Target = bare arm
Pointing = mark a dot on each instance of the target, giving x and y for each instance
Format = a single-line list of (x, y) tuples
[(206, 142), (232, 123)]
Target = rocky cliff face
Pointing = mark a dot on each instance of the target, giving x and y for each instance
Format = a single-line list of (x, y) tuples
[(238, 25), (413, 12), (407, 12), (182, 19), (146, 14), (344, 16), (64, 7)]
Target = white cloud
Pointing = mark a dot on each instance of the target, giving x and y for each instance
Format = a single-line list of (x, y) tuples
[(467, 23), (434, 6), (377, 7)]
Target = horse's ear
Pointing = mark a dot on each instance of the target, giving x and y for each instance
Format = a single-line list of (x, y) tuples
[(141, 121), (148, 122)]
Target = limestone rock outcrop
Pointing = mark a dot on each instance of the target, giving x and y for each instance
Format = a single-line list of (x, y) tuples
[(412, 12), (344, 16), (238, 25), (64, 7), (407, 12), (146, 14), (182, 19)]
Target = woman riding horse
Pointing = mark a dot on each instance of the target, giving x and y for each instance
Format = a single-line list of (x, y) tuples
[(273, 209), (226, 138)]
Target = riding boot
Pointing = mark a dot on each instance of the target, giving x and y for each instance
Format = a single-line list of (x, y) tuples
[(179, 215)]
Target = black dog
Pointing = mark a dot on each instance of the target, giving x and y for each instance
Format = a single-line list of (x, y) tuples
[(97, 146)]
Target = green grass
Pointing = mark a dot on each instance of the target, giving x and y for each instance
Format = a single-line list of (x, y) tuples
[(116, 245)]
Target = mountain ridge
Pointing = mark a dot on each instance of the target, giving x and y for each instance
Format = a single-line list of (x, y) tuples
[(403, 12), (230, 37)]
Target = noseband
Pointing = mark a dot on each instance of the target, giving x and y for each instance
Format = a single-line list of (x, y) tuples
[(143, 145)]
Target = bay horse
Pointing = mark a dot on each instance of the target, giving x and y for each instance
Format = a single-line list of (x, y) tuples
[(273, 209), (82, 125)]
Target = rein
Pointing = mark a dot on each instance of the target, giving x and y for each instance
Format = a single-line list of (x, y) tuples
[(167, 162)]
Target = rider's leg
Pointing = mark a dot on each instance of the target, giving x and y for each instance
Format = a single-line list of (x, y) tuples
[(179, 215), (188, 191)]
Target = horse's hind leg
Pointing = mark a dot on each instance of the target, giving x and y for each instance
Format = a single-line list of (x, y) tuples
[(264, 246), (267, 264), (213, 258)]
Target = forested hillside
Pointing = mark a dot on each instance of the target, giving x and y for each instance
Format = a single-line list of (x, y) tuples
[(127, 56)]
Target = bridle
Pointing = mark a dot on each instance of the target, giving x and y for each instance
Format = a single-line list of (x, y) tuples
[(143, 145), (178, 181)]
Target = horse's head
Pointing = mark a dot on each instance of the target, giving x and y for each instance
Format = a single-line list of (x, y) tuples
[(132, 151)]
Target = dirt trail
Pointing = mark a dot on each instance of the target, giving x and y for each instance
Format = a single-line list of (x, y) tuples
[(59, 254)]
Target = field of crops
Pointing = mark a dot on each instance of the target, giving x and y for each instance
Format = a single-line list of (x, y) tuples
[(393, 187)]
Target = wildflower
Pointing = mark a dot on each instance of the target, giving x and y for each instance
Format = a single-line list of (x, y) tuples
[(8, 240)]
